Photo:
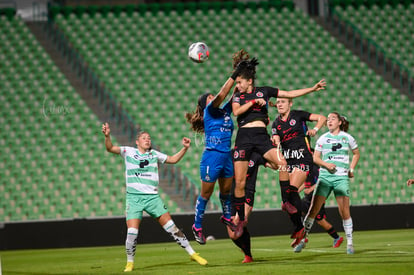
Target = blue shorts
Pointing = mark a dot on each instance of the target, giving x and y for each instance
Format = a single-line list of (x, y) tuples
[(215, 164)]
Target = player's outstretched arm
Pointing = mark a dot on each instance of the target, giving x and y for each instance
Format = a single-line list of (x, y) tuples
[(180, 154), (108, 142), (296, 93)]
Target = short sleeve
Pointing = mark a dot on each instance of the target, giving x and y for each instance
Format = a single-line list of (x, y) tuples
[(161, 156), (305, 116), (352, 143), (123, 152), (318, 144), (236, 98), (274, 128), (272, 92)]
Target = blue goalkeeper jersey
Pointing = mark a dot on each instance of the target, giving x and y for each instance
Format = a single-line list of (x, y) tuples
[(218, 127)]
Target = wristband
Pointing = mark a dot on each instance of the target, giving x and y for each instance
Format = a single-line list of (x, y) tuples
[(351, 170), (315, 128), (235, 74)]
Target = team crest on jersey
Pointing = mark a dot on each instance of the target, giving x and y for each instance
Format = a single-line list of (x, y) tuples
[(292, 122), (259, 94), (344, 140), (251, 163)]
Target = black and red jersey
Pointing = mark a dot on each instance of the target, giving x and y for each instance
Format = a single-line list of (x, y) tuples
[(292, 132), (256, 112)]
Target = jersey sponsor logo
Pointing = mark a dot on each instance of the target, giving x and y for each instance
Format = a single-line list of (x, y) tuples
[(292, 122), (285, 131), (336, 147), (143, 163), (140, 175), (251, 163), (259, 94), (290, 136), (336, 158), (223, 129)]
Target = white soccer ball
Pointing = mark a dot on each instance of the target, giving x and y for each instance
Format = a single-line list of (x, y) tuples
[(198, 52)]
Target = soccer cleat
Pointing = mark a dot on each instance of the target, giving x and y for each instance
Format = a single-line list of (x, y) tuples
[(129, 267), (298, 236), (288, 207), (238, 231), (350, 249), (247, 259), (197, 258), (228, 222), (337, 242), (198, 235), (301, 245)]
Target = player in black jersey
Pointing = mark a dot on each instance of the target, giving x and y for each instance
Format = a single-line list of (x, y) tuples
[(290, 132), (243, 242), (250, 106), (308, 188)]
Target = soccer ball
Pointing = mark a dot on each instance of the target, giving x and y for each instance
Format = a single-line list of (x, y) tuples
[(198, 52)]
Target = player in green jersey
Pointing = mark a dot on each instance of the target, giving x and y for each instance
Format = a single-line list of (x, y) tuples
[(141, 172), (336, 167)]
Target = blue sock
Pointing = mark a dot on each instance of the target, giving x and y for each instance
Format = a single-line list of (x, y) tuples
[(200, 208), (226, 205)]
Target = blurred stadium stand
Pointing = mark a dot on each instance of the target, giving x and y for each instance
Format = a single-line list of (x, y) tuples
[(54, 165)]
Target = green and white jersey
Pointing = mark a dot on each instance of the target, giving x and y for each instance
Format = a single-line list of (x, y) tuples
[(141, 170), (336, 149)]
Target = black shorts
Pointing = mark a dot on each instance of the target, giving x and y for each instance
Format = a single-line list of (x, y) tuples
[(306, 202), (251, 139), (305, 164)]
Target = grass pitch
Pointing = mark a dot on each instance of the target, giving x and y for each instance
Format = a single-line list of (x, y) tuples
[(376, 252)]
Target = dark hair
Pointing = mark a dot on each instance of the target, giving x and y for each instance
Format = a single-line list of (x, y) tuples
[(196, 118), (344, 122), (248, 72)]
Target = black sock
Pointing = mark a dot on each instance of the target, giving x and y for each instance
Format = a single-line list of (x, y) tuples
[(244, 242), (238, 206), (295, 200), (284, 190), (331, 231)]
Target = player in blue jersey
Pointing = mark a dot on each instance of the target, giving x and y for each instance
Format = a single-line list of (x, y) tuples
[(141, 172), (332, 154), (216, 162), (250, 106)]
